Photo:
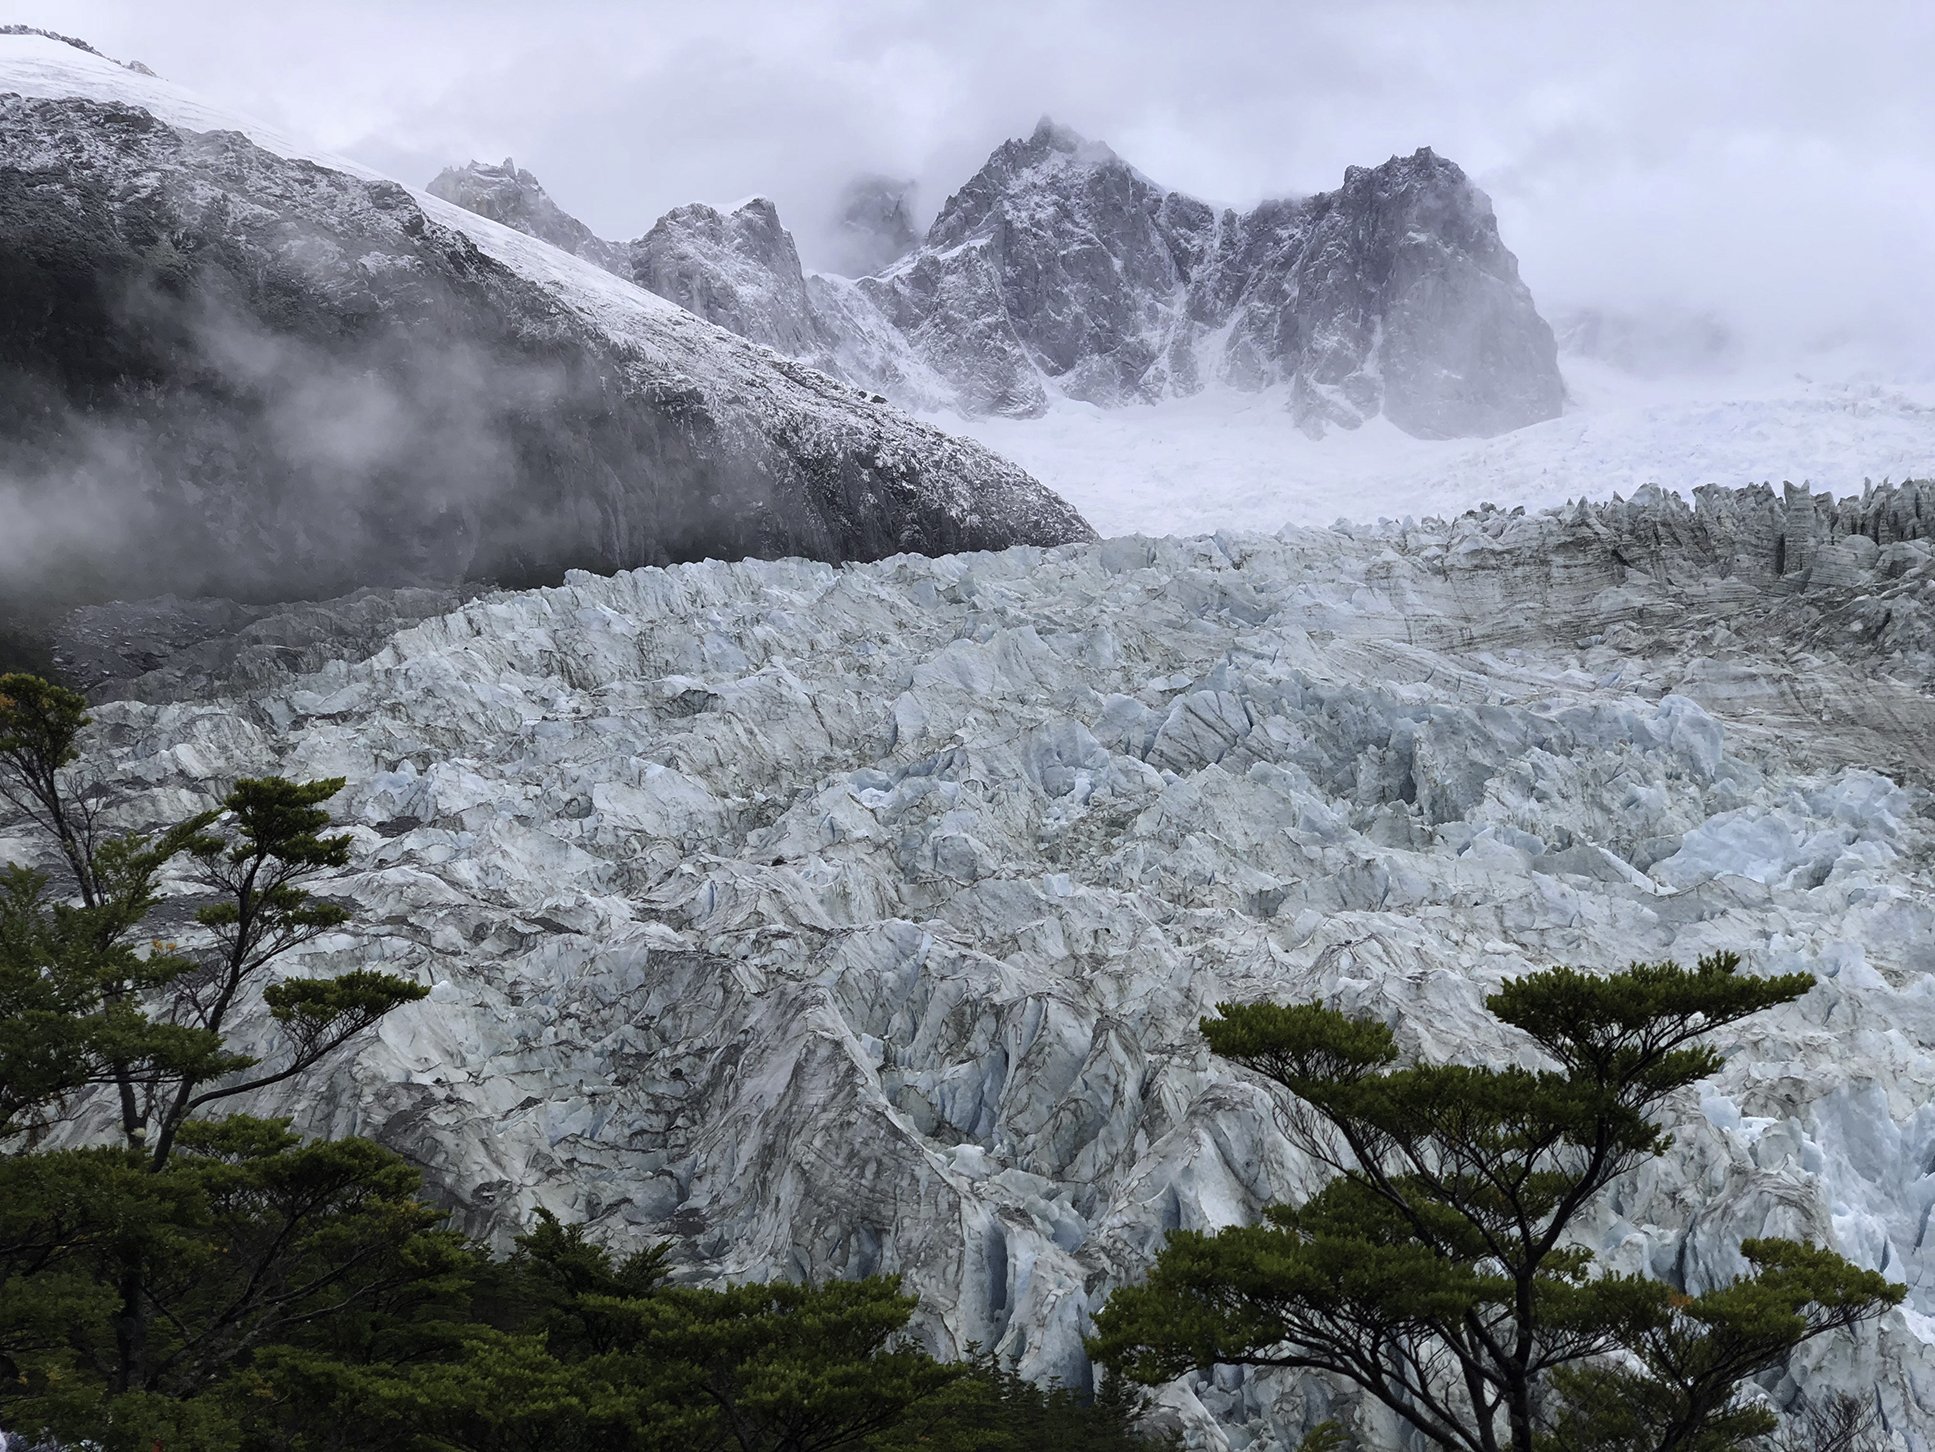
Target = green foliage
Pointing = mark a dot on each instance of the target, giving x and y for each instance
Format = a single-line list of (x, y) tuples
[(1693, 1352), (989, 1408), (560, 1347), (1433, 1269), (139, 1276), (1325, 1437)]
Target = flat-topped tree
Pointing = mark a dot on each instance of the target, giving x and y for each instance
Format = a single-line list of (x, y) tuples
[(1435, 1272)]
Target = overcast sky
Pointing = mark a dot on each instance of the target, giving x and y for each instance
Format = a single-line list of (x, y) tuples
[(1774, 162)]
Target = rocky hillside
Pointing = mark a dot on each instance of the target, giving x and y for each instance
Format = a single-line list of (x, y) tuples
[(738, 269), (512, 196), (229, 369), (1059, 270), (831, 920)]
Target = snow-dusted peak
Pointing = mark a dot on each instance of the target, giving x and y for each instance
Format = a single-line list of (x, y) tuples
[(737, 268), (1051, 135), (507, 194), (873, 225), (1059, 269)]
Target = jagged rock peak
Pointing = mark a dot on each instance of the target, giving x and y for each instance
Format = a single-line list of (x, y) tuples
[(510, 195), (1051, 135), (737, 268), (1061, 269)]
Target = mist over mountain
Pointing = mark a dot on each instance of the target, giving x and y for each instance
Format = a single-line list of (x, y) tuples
[(229, 371), (873, 225), (1059, 271), (821, 839)]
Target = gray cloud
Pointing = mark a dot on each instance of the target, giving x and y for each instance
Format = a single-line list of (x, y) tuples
[(1769, 161)]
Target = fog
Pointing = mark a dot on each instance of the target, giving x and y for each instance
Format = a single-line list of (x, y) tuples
[(1767, 162)]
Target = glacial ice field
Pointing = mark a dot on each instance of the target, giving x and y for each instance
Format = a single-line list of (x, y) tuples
[(1226, 460), (828, 920)]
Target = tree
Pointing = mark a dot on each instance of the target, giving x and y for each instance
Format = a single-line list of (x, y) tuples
[(1434, 1270), (562, 1348), (143, 1272)]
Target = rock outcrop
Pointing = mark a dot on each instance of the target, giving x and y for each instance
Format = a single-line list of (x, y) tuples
[(836, 920), (512, 196), (737, 268), (225, 370)]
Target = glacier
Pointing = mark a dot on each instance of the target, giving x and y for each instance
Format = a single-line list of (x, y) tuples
[(825, 920)]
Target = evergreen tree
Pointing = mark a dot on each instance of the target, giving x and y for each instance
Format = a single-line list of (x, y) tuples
[(132, 1277), (1434, 1270)]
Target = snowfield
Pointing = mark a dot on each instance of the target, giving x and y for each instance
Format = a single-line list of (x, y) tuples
[(1226, 460)]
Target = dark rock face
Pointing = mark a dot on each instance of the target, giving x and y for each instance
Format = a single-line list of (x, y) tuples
[(1059, 265), (509, 195), (223, 372), (738, 269), (873, 225), (1053, 262)]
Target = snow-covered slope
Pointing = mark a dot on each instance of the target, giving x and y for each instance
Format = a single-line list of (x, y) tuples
[(1222, 461), (254, 373), (833, 920)]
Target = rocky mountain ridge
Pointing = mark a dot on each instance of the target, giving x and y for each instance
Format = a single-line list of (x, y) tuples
[(228, 369), (835, 920), (1059, 270), (508, 194)]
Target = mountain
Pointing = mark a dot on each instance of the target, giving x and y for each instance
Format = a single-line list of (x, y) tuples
[(513, 197), (230, 368), (737, 268), (1059, 270), (827, 921)]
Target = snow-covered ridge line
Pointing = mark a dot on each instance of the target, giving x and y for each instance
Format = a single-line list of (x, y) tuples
[(74, 41), (1060, 272)]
